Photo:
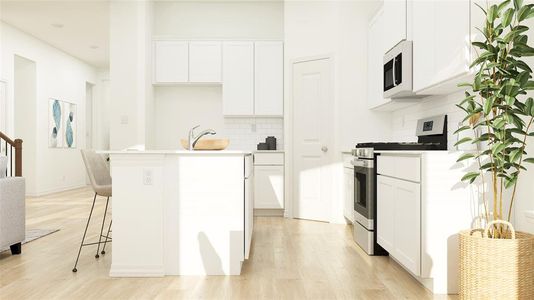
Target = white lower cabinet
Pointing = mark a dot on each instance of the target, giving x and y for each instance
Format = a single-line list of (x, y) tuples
[(269, 187), (269, 180), (249, 204), (399, 219)]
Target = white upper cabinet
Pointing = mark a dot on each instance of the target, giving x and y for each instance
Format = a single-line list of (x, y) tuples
[(171, 61), (238, 78), (375, 62), (441, 45), (205, 62), (395, 12), (268, 78)]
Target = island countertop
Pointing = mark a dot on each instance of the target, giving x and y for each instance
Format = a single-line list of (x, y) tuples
[(178, 152)]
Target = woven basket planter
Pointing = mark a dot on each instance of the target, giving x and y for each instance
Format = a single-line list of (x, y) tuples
[(496, 268)]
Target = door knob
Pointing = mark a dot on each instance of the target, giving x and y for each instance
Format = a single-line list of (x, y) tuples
[(324, 149)]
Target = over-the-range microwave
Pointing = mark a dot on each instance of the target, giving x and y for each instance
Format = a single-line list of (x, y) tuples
[(398, 71)]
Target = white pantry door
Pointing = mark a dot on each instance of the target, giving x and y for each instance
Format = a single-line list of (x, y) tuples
[(312, 137)]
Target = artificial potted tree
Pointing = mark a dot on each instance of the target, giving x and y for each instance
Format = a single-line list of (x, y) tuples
[(497, 262)]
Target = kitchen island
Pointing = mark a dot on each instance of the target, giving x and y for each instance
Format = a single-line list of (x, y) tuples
[(180, 212)]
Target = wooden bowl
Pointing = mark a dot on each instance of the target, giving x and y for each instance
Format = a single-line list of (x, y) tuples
[(207, 144)]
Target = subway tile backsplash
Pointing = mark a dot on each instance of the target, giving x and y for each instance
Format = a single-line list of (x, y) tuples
[(246, 133)]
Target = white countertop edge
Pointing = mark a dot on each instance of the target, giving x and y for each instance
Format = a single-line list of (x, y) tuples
[(177, 152), (268, 151), (412, 151)]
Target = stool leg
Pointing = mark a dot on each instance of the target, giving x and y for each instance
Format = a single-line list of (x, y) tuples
[(84, 233), (102, 229), (106, 241)]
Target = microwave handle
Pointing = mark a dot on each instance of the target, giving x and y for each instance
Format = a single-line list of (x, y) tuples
[(394, 63)]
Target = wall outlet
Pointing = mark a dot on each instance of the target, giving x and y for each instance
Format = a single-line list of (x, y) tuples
[(147, 177), (124, 120)]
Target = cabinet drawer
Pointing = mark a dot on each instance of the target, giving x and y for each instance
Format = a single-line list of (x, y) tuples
[(403, 167), (269, 159)]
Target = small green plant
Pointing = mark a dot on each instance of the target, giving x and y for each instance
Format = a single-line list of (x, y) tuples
[(497, 107)]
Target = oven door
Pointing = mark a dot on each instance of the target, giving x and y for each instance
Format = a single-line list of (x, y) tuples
[(363, 195)]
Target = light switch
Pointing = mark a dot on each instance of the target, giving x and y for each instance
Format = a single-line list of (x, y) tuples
[(147, 177)]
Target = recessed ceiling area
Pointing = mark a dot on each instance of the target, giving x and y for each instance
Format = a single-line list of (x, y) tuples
[(79, 28)]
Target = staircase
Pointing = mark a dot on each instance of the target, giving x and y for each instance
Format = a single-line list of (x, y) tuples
[(7, 147)]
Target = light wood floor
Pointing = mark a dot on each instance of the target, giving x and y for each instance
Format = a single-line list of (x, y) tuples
[(290, 259)]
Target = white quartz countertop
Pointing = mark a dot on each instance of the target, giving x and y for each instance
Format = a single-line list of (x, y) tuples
[(178, 152), (268, 151)]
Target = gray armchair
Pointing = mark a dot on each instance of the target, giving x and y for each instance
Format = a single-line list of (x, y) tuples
[(12, 210)]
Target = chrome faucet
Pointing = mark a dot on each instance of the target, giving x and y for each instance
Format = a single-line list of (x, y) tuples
[(194, 139)]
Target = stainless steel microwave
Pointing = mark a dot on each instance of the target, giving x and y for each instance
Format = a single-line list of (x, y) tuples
[(398, 71)]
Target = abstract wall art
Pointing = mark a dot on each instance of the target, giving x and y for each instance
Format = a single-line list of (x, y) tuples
[(62, 121)]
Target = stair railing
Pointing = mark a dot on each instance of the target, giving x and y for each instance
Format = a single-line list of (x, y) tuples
[(7, 146)]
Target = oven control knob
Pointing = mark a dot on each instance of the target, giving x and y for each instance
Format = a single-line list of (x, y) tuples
[(324, 149)]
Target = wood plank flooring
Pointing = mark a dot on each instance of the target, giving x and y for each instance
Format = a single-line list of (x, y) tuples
[(290, 259)]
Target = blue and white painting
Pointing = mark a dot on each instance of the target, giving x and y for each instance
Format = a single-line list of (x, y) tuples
[(62, 124)]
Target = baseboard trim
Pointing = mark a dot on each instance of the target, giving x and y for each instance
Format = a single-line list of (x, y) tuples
[(262, 212), (56, 190), (137, 271)]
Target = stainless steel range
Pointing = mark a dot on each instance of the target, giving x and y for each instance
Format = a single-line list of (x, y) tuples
[(431, 135)]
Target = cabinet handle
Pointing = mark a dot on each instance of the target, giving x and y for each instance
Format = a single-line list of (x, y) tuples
[(324, 149)]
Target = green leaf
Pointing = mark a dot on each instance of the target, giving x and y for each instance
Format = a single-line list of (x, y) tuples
[(524, 12), (516, 154), (529, 85), (471, 176), (499, 123), (488, 105), (507, 17), (465, 156), (518, 4), (462, 129), (529, 106), (509, 182), (492, 14), (480, 45), (529, 160), (498, 148), (463, 140), (503, 5)]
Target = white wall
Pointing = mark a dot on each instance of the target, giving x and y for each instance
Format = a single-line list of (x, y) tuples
[(130, 77), (25, 119), (59, 76), (339, 29), (219, 20), (101, 111)]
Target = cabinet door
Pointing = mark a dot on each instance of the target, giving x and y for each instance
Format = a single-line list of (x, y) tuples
[(407, 224), (385, 202), (249, 214), (171, 62), (349, 194), (238, 78), (375, 62), (205, 62), (269, 187), (395, 22), (269, 78), (441, 48)]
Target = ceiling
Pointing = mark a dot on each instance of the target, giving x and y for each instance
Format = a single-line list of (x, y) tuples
[(79, 28)]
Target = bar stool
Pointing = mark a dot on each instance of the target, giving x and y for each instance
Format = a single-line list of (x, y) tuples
[(98, 171)]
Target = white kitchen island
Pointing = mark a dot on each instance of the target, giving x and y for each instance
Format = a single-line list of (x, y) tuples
[(180, 212)]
